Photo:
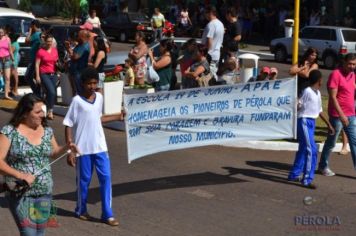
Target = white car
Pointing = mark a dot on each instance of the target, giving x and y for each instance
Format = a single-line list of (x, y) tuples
[(332, 42)]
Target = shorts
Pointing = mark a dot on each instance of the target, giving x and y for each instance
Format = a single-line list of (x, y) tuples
[(15, 64), (5, 63)]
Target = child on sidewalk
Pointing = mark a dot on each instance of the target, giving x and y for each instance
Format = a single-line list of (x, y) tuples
[(129, 74), (83, 123), (309, 108)]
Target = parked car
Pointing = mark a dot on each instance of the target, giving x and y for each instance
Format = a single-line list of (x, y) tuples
[(3, 4), (331, 42), (62, 32), (123, 25)]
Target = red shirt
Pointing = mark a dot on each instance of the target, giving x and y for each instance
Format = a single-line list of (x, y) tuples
[(48, 60), (345, 85)]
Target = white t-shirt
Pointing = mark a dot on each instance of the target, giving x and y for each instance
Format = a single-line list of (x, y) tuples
[(94, 21), (214, 30), (310, 104), (85, 119), (184, 18)]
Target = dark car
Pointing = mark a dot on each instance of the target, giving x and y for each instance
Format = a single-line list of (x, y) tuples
[(3, 4), (63, 32), (123, 26)]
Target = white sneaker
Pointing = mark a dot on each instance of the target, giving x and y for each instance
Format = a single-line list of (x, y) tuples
[(327, 172)]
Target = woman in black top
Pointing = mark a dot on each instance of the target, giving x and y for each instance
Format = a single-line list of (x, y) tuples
[(308, 63), (99, 60)]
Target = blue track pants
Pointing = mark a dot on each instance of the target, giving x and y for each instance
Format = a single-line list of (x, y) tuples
[(85, 166), (307, 154)]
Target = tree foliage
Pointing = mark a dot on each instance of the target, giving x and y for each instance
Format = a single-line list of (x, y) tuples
[(62, 7)]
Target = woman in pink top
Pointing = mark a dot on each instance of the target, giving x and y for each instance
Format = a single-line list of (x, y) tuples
[(6, 58), (46, 59)]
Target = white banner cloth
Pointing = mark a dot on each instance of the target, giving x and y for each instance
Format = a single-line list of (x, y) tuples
[(179, 119)]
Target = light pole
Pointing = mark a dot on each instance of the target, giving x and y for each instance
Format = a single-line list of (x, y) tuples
[(296, 32)]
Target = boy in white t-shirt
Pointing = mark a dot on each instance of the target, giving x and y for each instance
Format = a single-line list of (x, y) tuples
[(93, 19), (309, 108), (83, 123)]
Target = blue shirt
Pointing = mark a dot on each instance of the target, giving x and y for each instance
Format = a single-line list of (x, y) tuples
[(83, 51), (35, 42)]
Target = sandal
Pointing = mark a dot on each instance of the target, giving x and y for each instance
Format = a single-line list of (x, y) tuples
[(50, 116), (8, 98), (344, 152)]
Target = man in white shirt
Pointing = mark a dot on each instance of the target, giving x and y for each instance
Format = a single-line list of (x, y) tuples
[(93, 19), (213, 37)]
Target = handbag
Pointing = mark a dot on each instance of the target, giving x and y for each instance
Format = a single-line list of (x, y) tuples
[(152, 75), (203, 80), (60, 66)]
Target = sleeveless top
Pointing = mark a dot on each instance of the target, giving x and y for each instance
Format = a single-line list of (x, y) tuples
[(29, 158), (165, 75), (141, 65), (100, 67)]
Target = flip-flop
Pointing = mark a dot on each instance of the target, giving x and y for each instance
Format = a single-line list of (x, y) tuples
[(343, 152)]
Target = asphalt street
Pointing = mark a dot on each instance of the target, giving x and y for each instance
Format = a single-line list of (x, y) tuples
[(204, 191)]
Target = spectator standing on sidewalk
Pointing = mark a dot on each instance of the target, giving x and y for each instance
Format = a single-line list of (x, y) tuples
[(198, 74), (34, 39), (302, 70), (138, 54), (79, 60), (309, 108), (88, 30), (93, 19), (46, 75), (232, 35), (341, 108), (163, 65), (184, 21), (157, 22), (99, 61), (15, 46), (213, 37), (6, 59)]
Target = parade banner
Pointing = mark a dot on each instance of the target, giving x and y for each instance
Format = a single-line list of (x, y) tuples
[(216, 115)]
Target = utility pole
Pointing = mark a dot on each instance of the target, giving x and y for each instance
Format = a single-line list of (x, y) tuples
[(296, 32)]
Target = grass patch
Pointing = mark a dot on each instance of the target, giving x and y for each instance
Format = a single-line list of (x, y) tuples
[(321, 130)]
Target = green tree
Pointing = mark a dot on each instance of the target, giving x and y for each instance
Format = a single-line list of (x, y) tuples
[(64, 7)]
